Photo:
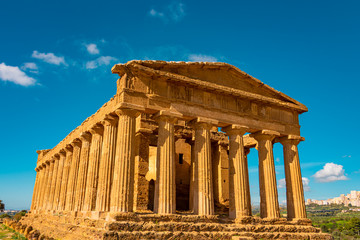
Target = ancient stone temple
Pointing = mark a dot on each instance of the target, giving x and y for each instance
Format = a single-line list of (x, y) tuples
[(166, 158)]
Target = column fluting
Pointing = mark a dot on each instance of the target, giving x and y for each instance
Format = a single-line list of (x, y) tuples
[(93, 168), (269, 205), (43, 187), (73, 174), (239, 190), (294, 186), (65, 177), (165, 187), (36, 189), (48, 185), (106, 164), (203, 165), (122, 193), (85, 138), (59, 176)]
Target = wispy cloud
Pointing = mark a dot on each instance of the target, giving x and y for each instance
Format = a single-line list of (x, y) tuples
[(305, 181), (174, 12), (346, 156), (331, 172), (100, 61), (15, 75), (49, 58), (201, 58), (31, 67), (92, 48)]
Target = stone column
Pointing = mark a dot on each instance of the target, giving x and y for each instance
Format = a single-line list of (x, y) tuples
[(65, 176), (93, 169), (106, 164), (269, 205), (85, 138), (239, 190), (294, 186), (73, 174), (192, 174), (43, 185), (141, 184), (204, 204), (123, 183), (36, 189), (53, 182), (165, 188), (47, 196), (58, 179)]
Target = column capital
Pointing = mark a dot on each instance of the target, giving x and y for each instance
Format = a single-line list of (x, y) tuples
[(85, 137), (76, 142), (144, 131), (56, 156), (168, 116), (62, 152), (109, 120), (68, 148), (44, 165), (290, 139), (265, 135), (97, 129), (204, 122), (235, 129), (129, 109)]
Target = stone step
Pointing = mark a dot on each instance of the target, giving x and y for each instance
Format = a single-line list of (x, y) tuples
[(213, 235), (209, 227)]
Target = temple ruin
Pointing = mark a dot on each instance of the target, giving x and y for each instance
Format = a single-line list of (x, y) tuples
[(166, 158)]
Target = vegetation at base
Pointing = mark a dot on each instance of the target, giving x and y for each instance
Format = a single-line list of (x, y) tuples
[(7, 233), (17, 216), (342, 222)]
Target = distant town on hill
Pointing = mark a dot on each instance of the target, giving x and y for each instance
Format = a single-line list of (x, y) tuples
[(353, 199)]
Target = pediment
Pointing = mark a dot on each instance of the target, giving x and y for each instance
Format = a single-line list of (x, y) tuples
[(217, 75)]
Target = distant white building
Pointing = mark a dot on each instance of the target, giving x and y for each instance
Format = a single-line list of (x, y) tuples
[(352, 198)]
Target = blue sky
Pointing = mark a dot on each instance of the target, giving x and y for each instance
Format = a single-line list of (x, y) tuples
[(56, 56)]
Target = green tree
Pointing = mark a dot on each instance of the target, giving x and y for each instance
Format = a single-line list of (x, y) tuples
[(5, 215), (19, 215)]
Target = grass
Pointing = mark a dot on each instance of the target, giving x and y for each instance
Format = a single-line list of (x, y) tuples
[(7, 233)]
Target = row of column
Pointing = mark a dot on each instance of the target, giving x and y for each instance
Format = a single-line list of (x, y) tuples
[(96, 171)]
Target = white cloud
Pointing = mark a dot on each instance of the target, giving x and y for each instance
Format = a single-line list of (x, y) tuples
[(277, 159), (282, 183), (346, 156), (30, 66), (331, 172), (177, 11), (15, 75), (201, 58), (100, 61), (305, 181), (155, 13), (173, 12), (92, 48), (49, 58)]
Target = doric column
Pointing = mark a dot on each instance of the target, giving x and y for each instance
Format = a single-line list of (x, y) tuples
[(192, 192), (36, 189), (122, 192), (43, 186), (48, 185), (59, 176), (85, 138), (165, 188), (239, 190), (53, 182), (294, 186), (65, 177), (93, 168), (106, 164), (269, 205), (141, 184), (204, 204), (73, 174)]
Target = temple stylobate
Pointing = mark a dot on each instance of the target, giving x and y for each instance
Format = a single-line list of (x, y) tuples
[(172, 145)]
